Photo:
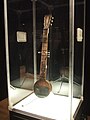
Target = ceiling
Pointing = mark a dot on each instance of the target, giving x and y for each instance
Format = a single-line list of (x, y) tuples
[(26, 5), (20, 11)]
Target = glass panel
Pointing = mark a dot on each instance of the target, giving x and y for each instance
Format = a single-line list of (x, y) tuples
[(79, 47), (20, 31), (56, 46)]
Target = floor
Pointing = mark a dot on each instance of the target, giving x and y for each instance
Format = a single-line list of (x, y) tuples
[(88, 118), (4, 114)]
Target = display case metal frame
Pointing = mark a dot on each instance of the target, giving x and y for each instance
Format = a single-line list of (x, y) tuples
[(13, 106)]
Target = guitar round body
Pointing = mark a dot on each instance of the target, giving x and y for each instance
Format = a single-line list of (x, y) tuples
[(42, 88)]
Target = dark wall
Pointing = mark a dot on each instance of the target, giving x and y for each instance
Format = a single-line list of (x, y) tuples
[(86, 108), (3, 81)]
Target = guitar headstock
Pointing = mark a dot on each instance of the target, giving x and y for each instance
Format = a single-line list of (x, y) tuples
[(48, 19)]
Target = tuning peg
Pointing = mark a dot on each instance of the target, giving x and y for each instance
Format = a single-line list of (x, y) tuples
[(39, 52), (52, 18), (51, 21), (51, 24)]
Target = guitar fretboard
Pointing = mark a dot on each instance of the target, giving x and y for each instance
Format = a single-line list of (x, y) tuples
[(44, 52)]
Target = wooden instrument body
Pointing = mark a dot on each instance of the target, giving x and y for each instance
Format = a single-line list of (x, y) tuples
[(42, 87)]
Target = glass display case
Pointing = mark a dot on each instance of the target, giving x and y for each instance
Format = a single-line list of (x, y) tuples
[(45, 50)]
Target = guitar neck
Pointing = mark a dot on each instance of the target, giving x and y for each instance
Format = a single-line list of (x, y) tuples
[(44, 52)]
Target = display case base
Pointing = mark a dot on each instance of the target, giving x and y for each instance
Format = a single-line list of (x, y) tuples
[(17, 116)]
